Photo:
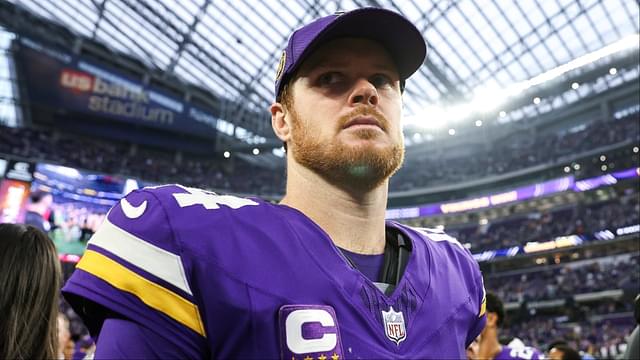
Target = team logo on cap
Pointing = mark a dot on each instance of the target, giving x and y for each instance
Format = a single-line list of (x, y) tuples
[(283, 60), (394, 326)]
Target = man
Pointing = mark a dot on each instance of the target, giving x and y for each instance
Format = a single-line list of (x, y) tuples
[(564, 352), (39, 206), (181, 272), (488, 346)]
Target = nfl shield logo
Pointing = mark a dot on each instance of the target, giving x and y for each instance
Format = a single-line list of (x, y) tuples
[(394, 325)]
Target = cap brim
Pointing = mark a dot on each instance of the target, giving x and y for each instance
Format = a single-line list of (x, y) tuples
[(396, 34)]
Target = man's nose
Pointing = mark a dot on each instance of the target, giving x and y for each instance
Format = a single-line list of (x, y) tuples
[(364, 93)]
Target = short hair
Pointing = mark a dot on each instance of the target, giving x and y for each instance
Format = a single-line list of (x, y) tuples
[(568, 353), (494, 305)]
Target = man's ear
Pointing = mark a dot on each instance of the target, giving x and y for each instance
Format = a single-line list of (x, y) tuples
[(279, 121), (492, 319)]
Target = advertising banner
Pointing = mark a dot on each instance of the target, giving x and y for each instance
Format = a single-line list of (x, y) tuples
[(65, 81)]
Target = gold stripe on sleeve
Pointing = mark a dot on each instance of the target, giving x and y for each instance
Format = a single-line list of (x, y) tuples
[(150, 293)]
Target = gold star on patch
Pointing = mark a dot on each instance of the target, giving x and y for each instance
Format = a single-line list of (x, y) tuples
[(308, 358), (335, 356), (322, 357)]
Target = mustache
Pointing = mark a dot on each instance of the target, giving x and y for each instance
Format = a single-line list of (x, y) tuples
[(365, 111)]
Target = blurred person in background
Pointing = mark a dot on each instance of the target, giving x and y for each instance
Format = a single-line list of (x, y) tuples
[(65, 344), (38, 210), (488, 345), (563, 352), (633, 342), (30, 279)]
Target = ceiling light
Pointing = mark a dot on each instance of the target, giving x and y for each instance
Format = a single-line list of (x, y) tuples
[(613, 71), (256, 151), (603, 167), (478, 123), (603, 158), (226, 154), (635, 149), (503, 113), (576, 166), (452, 131), (536, 100), (575, 86), (567, 169)]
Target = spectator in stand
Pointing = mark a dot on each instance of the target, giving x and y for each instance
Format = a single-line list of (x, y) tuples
[(29, 285), (38, 209)]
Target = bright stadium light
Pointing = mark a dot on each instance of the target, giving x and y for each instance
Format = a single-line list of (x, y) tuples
[(478, 123), (603, 158), (431, 117), (567, 169), (575, 86), (256, 151), (226, 154), (613, 71), (536, 100), (452, 132), (635, 149), (488, 98), (576, 166), (603, 167)]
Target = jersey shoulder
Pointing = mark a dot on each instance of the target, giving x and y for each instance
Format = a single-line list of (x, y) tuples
[(135, 264)]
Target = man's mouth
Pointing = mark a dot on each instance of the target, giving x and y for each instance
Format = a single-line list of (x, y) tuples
[(363, 121)]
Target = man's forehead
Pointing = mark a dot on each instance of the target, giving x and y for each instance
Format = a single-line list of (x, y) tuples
[(346, 51)]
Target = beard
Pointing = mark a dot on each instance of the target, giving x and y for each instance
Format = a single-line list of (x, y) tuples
[(361, 167)]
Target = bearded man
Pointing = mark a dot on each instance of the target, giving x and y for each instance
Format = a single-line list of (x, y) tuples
[(182, 272)]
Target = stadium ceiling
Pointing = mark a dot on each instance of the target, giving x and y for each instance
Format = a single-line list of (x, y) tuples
[(232, 48)]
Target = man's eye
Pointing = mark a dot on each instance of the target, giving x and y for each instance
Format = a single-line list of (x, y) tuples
[(329, 78), (380, 80)]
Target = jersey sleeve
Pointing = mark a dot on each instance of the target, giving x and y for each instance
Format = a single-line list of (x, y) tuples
[(133, 269)]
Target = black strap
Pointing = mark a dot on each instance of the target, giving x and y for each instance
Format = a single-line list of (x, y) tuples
[(397, 251), (396, 255)]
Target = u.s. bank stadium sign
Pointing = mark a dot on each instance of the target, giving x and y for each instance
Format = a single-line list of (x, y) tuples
[(61, 80)]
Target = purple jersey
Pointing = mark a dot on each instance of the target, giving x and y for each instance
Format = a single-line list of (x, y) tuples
[(225, 277), (524, 353)]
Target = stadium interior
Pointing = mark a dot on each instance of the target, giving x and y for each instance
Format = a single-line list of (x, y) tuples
[(522, 131)]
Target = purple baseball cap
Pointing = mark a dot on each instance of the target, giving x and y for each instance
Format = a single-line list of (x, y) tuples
[(394, 32)]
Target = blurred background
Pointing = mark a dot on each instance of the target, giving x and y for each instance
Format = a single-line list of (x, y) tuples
[(522, 133)]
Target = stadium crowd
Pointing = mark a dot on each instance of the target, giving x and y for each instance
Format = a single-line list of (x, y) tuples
[(575, 219), (164, 166), (514, 153), (566, 281)]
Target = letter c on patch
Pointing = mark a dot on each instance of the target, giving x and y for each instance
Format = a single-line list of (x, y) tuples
[(293, 327)]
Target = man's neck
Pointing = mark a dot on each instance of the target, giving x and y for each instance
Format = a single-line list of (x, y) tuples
[(489, 347), (354, 220)]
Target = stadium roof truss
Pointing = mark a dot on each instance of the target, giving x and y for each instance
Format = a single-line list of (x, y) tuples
[(232, 48)]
